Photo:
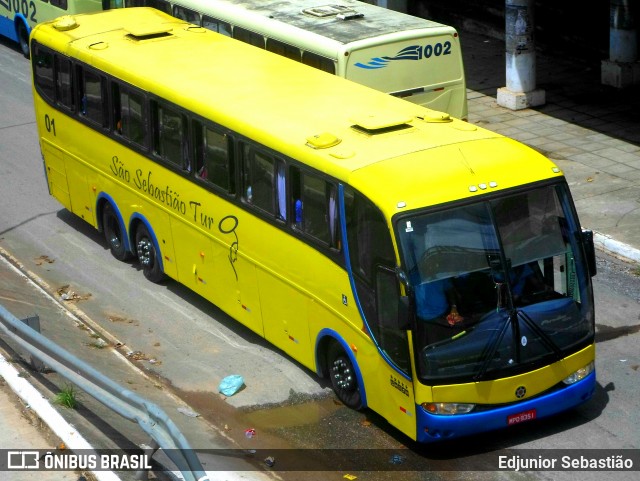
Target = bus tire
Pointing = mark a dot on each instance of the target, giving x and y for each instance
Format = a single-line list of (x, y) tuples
[(23, 38), (147, 255), (113, 234), (343, 377)]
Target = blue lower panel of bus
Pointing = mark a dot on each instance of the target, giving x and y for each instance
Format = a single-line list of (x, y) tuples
[(8, 29), (440, 427)]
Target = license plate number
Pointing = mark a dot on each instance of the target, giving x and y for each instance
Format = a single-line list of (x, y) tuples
[(521, 417)]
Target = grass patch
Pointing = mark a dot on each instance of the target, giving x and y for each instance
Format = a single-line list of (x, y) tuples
[(67, 397)]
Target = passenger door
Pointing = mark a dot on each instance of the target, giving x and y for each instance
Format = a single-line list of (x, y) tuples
[(372, 258)]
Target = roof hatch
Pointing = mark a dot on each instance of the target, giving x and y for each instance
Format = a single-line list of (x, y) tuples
[(379, 124), (146, 31), (341, 12)]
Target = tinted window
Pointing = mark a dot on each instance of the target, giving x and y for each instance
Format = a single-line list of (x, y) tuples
[(92, 99), (216, 25), (170, 144), (314, 207), (43, 71), (321, 63), (213, 157), (249, 37), (369, 238), (186, 14), (264, 182), (64, 86), (129, 115), (284, 49), (161, 5)]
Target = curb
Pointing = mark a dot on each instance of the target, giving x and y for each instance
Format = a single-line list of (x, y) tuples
[(72, 439), (619, 249)]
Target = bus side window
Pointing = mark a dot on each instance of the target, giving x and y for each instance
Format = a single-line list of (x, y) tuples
[(64, 82), (129, 117), (43, 71), (263, 181), (214, 159), (284, 49), (369, 237), (314, 207), (92, 96), (59, 3), (161, 5), (186, 14), (314, 202), (111, 4), (216, 25), (169, 135), (295, 199), (247, 36), (319, 62)]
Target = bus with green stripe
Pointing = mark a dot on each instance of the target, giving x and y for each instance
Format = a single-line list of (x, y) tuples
[(417, 59), (18, 17)]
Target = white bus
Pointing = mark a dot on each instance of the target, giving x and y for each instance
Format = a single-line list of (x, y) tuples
[(406, 56)]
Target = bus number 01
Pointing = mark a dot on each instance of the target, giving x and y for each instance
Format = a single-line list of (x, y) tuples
[(50, 124), (437, 49)]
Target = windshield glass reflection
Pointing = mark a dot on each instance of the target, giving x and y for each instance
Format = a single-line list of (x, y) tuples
[(496, 286)]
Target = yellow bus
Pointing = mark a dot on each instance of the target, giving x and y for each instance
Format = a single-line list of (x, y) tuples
[(18, 17), (396, 53), (332, 219)]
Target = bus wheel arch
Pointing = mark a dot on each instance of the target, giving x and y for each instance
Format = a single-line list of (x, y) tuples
[(111, 224), (22, 33), (336, 361), (147, 250)]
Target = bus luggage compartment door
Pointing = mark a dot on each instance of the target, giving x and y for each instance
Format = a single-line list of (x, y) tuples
[(56, 173)]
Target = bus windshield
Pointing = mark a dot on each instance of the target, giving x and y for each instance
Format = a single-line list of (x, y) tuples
[(496, 286)]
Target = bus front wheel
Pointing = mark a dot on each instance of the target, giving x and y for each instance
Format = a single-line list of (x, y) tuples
[(23, 38), (113, 234), (147, 255), (343, 376)]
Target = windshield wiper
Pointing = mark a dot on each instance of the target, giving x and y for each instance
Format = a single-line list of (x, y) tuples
[(490, 351), (544, 337)]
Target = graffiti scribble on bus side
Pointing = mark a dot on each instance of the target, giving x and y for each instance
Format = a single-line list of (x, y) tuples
[(227, 225)]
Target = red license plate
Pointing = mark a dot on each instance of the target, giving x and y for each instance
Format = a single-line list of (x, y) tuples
[(521, 417)]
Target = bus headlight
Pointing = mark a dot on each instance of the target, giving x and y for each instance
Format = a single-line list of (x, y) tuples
[(580, 374), (448, 408)]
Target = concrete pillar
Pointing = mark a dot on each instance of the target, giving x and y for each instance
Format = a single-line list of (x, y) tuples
[(622, 68), (520, 91)]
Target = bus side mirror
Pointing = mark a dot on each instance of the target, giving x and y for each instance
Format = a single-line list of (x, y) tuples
[(590, 251)]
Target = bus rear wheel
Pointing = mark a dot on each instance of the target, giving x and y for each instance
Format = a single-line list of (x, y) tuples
[(343, 377), (113, 234), (147, 255)]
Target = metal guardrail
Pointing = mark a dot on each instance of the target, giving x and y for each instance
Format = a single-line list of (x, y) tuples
[(151, 418)]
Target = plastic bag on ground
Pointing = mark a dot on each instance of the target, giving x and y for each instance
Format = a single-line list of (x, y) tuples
[(231, 385)]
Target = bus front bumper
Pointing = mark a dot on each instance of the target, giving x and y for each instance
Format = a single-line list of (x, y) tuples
[(433, 428)]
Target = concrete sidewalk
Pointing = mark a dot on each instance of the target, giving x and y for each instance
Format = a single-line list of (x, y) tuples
[(591, 131)]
